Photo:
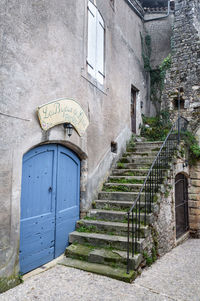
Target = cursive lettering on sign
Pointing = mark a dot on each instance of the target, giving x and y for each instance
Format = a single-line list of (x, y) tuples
[(63, 111)]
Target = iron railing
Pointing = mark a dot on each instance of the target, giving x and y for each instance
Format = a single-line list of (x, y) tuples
[(142, 206)]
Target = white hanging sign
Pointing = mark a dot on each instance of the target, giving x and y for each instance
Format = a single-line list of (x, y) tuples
[(63, 111)]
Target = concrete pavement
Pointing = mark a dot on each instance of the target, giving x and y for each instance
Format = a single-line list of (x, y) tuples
[(176, 276)]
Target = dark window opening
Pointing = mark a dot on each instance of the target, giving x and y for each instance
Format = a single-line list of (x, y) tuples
[(113, 147), (182, 103)]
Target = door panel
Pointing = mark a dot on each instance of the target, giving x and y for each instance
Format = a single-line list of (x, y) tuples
[(49, 204), (37, 223), (133, 109), (181, 205), (67, 210)]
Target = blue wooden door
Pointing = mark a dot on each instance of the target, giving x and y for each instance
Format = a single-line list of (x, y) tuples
[(49, 204)]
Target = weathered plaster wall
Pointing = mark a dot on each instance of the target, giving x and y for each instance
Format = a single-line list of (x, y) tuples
[(160, 32), (43, 58)]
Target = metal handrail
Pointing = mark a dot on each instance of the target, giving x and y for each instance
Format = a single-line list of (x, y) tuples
[(150, 186)]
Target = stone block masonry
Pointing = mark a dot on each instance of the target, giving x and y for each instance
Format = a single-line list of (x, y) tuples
[(185, 68), (194, 201), (184, 78)]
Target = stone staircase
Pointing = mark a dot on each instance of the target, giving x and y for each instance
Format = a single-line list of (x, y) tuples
[(99, 243)]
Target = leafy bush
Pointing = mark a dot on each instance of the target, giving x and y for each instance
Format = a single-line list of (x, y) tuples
[(156, 128), (193, 147)]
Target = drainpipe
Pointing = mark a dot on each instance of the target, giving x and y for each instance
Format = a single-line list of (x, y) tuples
[(142, 17), (163, 17)]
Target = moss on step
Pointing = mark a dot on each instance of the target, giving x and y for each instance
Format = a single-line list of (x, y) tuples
[(116, 273), (90, 218), (7, 283), (88, 229), (126, 181), (93, 229), (120, 165), (156, 149), (130, 149), (117, 188)]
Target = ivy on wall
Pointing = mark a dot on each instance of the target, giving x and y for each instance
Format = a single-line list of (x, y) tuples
[(157, 76), (146, 51), (158, 79), (192, 146)]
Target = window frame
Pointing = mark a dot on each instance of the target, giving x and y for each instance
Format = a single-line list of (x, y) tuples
[(98, 24)]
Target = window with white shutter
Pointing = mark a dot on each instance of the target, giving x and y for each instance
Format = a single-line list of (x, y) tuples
[(96, 36)]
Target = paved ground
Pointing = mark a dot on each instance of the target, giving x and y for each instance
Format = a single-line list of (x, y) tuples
[(176, 276)]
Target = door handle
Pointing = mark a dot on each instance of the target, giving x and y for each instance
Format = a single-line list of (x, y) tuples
[(50, 189)]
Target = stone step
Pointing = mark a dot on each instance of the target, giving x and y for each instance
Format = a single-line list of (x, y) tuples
[(114, 258), (120, 196), (127, 179), (122, 187), (116, 228), (130, 172), (155, 147), (111, 204), (104, 241), (113, 215), (140, 154), (121, 165), (137, 160), (149, 143), (101, 269), (117, 205)]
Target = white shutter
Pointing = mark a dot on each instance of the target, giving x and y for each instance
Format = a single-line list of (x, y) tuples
[(91, 55), (100, 49)]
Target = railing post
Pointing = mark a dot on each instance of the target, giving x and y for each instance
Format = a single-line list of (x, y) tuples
[(128, 267), (150, 188), (179, 130)]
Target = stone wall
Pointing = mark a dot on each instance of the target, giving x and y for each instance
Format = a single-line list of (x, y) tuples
[(194, 201), (185, 68), (165, 213), (162, 237), (160, 32), (184, 78)]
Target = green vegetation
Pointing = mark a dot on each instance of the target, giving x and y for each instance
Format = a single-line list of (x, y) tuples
[(193, 147), (93, 204), (122, 188), (120, 165), (90, 218), (157, 81), (154, 251), (126, 181), (148, 259), (146, 51), (9, 282), (87, 229), (158, 75), (157, 127), (130, 145)]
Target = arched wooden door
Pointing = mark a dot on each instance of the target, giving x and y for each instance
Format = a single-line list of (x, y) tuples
[(49, 204), (181, 204)]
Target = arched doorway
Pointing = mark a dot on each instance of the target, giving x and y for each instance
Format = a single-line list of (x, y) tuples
[(181, 204), (50, 202)]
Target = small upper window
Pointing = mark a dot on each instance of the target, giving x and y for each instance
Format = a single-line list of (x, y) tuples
[(96, 36)]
